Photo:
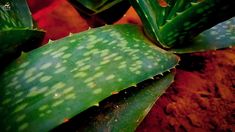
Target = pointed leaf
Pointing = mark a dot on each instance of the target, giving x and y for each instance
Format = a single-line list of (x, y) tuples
[(184, 21), (121, 112), (148, 11), (15, 13), (57, 81), (15, 40), (220, 36), (16, 29)]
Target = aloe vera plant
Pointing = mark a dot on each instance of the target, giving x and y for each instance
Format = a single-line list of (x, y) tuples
[(182, 20), (73, 57), (51, 84), (17, 29)]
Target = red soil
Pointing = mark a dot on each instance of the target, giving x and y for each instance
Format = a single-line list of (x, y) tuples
[(202, 97), (57, 17)]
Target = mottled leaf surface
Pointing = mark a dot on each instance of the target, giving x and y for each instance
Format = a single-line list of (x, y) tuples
[(15, 14), (50, 84), (121, 112), (220, 36), (16, 30), (181, 20)]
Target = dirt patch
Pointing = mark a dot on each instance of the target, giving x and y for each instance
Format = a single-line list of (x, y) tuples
[(202, 97)]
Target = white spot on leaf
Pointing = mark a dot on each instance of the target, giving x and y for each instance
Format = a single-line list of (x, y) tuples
[(45, 66), (62, 69), (20, 107), (45, 79), (20, 118), (57, 103), (23, 126), (97, 91), (24, 64), (67, 56), (110, 77)]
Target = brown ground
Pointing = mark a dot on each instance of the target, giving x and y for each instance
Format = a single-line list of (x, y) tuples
[(202, 97)]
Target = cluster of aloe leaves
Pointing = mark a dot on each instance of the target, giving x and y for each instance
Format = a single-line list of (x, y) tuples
[(18, 32), (47, 86)]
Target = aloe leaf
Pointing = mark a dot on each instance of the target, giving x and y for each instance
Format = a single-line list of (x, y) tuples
[(148, 12), (220, 36), (16, 30), (59, 80), (92, 7), (170, 6), (179, 6), (15, 13), (185, 20), (15, 40), (121, 112)]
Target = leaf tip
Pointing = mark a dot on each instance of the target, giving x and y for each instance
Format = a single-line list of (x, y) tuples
[(50, 41), (70, 34), (97, 104)]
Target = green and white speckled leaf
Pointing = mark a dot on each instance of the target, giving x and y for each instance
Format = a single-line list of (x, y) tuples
[(92, 7), (220, 36), (15, 14), (15, 40), (122, 112), (16, 30), (183, 21), (57, 81)]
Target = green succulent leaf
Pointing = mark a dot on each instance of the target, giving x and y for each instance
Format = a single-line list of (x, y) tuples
[(59, 80), (121, 112), (16, 40), (92, 7), (16, 30), (15, 14), (220, 36), (181, 21)]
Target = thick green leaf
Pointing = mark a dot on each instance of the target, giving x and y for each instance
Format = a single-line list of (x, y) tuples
[(121, 112), (148, 12), (92, 7), (57, 81), (15, 40), (16, 30), (15, 13), (220, 36), (183, 21)]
